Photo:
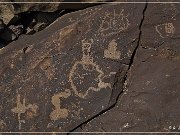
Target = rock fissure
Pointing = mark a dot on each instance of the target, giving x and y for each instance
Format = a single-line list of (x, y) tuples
[(118, 79), (139, 38), (102, 65)]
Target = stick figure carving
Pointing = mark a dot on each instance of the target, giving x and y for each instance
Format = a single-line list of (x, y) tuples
[(21, 108)]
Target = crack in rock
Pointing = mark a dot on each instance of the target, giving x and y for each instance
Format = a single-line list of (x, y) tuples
[(120, 79)]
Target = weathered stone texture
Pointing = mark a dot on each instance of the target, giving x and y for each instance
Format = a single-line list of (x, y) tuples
[(150, 101), (56, 79), (68, 74)]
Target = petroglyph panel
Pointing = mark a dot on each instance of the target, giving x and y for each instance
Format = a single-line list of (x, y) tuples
[(89, 66), (74, 70), (152, 90)]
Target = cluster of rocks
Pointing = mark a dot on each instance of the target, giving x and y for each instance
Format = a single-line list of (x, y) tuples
[(29, 18)]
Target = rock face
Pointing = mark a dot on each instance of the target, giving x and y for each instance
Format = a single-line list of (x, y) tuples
[(150, 99), (88, 61), (61, 77)]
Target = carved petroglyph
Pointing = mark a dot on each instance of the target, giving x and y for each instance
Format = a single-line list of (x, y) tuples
[(2, 124), (32, 112), (169, 28), (90, 66), (165, 30), (48, 68), (22, 108), (113, 23), (110, 74), (86, 58), (59, 112), (112, 52)]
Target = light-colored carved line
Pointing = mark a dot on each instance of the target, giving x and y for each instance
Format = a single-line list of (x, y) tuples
[(59, 112), (86, 61), (21, 108)]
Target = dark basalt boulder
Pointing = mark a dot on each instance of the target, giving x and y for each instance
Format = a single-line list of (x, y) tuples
[(70, 72), (10, 10), (29, 18)]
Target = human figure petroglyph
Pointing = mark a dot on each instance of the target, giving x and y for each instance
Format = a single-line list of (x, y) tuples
[(113, 23), (59, 112), (21, 108), (88, 65), (86, 58), (165, 30), (112, 52)]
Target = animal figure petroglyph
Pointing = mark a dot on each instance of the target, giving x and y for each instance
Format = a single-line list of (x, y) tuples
[(21, 108), (112, 52), (88, 65), (165, 30), (59, 112)]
